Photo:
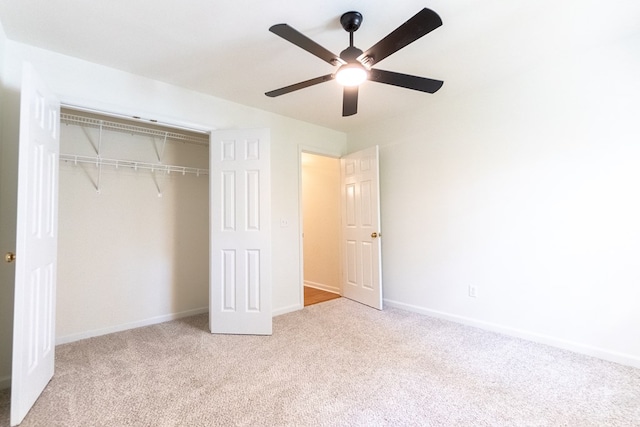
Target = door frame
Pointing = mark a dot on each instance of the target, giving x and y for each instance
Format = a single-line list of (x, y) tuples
[(318, 151)]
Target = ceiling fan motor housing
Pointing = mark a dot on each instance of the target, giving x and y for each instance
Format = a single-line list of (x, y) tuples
[(350, 54)]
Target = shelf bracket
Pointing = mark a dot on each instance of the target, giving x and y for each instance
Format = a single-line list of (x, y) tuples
[(160, 151), (99, 166), (99, 140)]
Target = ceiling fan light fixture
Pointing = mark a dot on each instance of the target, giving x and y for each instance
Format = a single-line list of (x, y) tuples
[(352, 74)]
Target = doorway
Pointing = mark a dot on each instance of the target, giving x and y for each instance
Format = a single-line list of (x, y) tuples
[(320, 219)]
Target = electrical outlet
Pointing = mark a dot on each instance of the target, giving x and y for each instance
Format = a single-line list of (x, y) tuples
[(284, 222), (473, 291)]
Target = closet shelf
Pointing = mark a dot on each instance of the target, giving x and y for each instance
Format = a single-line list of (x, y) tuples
[(153, 167), (77, 120)]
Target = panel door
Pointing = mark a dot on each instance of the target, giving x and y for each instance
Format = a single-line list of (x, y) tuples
[(36, 245), (360, 189), (240, 223)]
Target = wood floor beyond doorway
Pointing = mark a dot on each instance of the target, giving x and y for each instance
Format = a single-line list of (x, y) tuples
[(314, 296)]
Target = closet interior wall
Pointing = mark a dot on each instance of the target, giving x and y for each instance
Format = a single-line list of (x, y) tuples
[(133, 240)]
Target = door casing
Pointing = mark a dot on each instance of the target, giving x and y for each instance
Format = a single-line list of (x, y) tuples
[(326, 153)]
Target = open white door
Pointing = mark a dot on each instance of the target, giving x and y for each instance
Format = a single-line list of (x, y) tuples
[(240, 226), (361, 266), (36, 245)]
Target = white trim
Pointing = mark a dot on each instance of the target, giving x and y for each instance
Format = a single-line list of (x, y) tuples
[(600, 353), (286, 310), (126, 326), (322, 287)]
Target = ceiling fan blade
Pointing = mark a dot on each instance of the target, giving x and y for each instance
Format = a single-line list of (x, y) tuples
[(420, 24), (298, 86), (422, 84), (350, 101), (294, 36)]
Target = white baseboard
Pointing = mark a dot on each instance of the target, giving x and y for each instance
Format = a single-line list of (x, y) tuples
[(125, 326), (146, 322), (601, 353), (285, 310), (322, 287), (5, 382)]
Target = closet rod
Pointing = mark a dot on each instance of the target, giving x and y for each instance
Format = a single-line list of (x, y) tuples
[(154, 167), (73, 119)]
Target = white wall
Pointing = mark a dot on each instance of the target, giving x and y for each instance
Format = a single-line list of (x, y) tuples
[(528, 189), (112, 90), (321, 221)]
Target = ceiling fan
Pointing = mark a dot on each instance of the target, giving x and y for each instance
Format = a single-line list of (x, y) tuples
[(355, 66)]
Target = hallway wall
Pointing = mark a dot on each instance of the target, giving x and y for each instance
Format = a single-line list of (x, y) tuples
[(321, 221)]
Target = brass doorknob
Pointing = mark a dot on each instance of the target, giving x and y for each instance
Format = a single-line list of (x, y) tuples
[(9, 257), (374, 235)]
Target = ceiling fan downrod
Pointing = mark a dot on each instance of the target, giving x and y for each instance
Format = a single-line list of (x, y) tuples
[(351, 21)]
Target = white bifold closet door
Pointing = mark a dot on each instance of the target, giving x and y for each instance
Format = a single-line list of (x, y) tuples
[(36, 245), (240, 223)]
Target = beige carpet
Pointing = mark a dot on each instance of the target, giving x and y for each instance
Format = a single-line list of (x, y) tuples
[(332, 364)]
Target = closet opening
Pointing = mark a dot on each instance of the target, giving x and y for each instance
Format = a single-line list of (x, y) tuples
[(133, 215), (320, 219)]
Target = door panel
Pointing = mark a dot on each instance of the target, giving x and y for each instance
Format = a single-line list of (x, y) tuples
[(240, 279), (36, 245), (362, 270)]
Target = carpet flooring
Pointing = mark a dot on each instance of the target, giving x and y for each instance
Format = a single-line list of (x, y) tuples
[(332, 364)]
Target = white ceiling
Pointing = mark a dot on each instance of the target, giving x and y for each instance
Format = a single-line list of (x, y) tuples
[(224, 48)]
